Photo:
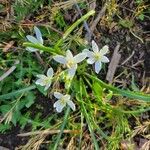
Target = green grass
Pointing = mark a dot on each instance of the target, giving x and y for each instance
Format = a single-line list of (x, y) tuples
[(104, 113)]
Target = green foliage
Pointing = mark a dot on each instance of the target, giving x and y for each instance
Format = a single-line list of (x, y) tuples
[(35, 122), (4, 127), (60, 22), (15, 94), (23, 8), (101, 108), (126, 23)]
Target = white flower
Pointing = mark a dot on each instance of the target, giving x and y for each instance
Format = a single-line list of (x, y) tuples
[(45, 80), (97, 56), (37, 40), (70, 61), (63, 100)]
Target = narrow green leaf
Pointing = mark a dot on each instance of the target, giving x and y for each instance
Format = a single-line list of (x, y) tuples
[(87, 118), (126, 93), (73, 26), (62, 128), (43, 48), (14, 93)]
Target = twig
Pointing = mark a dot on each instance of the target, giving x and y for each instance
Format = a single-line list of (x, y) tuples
[(113, 64), (128, 58), (7, 73), (136, 36), (39, 58), (48, 132), (95, 22)]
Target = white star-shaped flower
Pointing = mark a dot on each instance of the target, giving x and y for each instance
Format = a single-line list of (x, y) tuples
[(97, 56), (70, 61), (63, 100), (37, 40), (45, 80)]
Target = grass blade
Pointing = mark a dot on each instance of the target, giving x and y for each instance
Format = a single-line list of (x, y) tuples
[(62, 128), (43, 48), (87, 119), (126, 93), (10, 95)]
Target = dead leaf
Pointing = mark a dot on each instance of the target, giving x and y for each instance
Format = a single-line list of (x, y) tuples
[(126, 145), (8, 46)]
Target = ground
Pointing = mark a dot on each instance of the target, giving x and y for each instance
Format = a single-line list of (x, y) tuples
[(121, 23)]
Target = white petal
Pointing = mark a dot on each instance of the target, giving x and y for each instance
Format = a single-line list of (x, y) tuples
[(71, 104), (59, 106), (38, 35), (32, 39), (80, 57), (40, 82), (69, 55), (104, 59), (90, 60), (98, 66), (88, 53), (85, 51), (72, 71), (41, 76), (58, 95), (50, 72), (104, 50), (30, 49), (47, 86), (95, 46), (61, 59)]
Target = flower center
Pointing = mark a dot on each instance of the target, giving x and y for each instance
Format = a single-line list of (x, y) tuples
[(97, 56), (47, 80), (63, 101), (70, 64)]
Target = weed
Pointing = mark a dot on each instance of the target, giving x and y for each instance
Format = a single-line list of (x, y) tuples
[(82, 108)]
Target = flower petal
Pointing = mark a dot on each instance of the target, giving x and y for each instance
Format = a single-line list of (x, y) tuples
[(32, 39), (30, 49), (98, 66), (90, 60), (104, 50), (40, 82), (50, 72), (47, 86), (59, 106), (41, 76), (61, 59), (38, 35), (72, 71), (71, 104), (58, 95), (69, 55), (104, 59), (95, 46), (88, 53), (80, 57)]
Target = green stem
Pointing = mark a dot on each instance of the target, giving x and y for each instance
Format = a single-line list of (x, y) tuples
[(135, 111), (74, 25), (43, 48), (62, 128)]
